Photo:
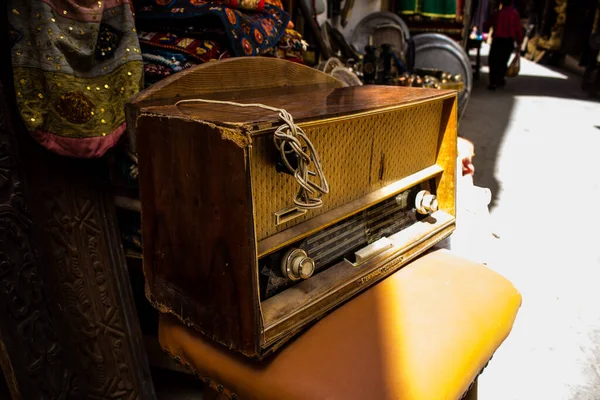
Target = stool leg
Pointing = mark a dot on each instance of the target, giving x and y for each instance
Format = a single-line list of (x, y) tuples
[(472, 393)]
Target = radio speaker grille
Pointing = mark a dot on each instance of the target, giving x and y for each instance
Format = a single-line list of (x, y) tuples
[(356, 161)]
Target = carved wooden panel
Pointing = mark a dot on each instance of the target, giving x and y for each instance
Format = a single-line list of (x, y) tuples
[(31, 355), (81, 245), (68, 324)]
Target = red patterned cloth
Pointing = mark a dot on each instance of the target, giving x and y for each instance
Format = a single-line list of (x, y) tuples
[(246, 4), (166, 53), (198, 49), (248, 32)]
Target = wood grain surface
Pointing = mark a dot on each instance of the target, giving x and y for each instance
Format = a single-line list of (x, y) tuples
[(198, 233), (304, 106), (222, 78), (207, 171)]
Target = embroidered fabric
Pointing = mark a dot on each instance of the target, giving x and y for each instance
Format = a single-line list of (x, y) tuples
[(75, 66), (166, 53), (291, 46), (69, 106), (248, 33)]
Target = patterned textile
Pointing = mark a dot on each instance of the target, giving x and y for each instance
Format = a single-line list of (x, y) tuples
[(166, 53), (278, 4), (75, 66), (275, 3), (248, 33), (201, 50), (246, 4), (428, 8), (291, 46)]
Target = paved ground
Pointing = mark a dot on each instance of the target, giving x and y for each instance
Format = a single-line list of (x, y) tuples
[(537, 145)]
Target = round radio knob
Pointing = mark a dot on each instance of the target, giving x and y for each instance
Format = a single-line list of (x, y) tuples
[(426, 202), (297, 265)]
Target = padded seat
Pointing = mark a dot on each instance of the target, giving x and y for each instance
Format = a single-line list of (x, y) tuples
[(424, 333)]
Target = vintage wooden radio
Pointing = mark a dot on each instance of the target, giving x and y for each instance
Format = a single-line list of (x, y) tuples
[(251, 230)]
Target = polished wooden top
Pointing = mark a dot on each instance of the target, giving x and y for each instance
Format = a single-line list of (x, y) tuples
[(303, 105)]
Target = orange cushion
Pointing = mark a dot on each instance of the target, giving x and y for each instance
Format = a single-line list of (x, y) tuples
[(423, 333)]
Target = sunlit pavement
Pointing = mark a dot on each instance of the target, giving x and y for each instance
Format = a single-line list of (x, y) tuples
[(537, 145)]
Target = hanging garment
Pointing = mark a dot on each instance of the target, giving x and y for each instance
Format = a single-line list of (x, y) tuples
[(76, 63), (248, 33), (166, 53), (480, 15)]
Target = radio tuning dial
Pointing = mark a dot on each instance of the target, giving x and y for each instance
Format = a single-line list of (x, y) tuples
[(425, 202), (297, 265)]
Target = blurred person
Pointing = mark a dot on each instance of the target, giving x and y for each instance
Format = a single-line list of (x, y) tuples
[(506, 30)]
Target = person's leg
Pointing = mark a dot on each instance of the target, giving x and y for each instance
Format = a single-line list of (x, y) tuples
[(493, 64), (506, 49)]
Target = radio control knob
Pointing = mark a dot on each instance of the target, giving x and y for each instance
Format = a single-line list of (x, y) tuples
[(425, 202), (297, 265)]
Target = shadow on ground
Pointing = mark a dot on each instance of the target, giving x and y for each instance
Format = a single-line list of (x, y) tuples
[(487, 134)]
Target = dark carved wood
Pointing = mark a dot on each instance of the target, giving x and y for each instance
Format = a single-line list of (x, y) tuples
[(79, 240), (207, 285), (31, 355), (69, 328)]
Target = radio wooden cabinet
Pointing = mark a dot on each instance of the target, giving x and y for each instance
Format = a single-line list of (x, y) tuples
[(227, 248)]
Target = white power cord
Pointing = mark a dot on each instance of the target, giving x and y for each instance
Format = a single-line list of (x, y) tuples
[(310, 192)]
